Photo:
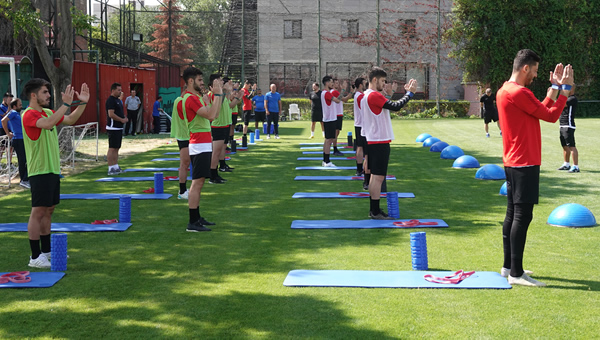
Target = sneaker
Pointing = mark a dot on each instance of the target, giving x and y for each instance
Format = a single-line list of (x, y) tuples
[(329, 165), (217, 180), (487, 135), (338, 153), (40, 262), (380, 216), (505, 272), (221, 178), (574, 169), (276, 136), (268, 136), (359, 173), (183, 196), (113, 172), (525, 280), (311, 137), (120, 170), (365, 186), (196, 227), (49, 256), (25, 184), (203, 221), (223, 169), (229, 167), (565, 167)]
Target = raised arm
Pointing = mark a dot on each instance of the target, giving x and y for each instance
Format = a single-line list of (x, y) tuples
[(83, 96)]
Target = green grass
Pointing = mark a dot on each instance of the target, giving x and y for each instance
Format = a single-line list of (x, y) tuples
[(158, 281)]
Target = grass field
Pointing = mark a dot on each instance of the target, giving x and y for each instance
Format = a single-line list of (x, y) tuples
[(158, 281)]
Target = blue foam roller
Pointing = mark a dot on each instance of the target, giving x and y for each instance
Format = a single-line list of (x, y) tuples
[(572, 215), (158, 183), (490, 172), (251, 137), (59, 252), (503, 190), (264, 128), (125, 209), (393, 206), (422, 137), (430, 141), (257, 134), (451, 152), (465, 162), (438, 146)]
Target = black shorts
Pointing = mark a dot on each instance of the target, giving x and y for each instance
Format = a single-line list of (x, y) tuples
[(183, 144), (361, 141), (316, 116), (247, 116), (234, 118), (201, 165), (379, 157), (220, 133), (523, 184), (260, 116), (567, 137), (330, 129), (114, 138), (45, 190), (338, 122), (490, 116)]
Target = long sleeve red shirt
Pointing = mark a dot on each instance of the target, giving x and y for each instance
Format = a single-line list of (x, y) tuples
[(519, 113)]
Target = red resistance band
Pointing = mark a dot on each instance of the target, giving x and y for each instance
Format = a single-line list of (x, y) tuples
[(149, 191), (355, 194), (412, 223), (166, 178), (456, 278), (105, 221), (15, 277)]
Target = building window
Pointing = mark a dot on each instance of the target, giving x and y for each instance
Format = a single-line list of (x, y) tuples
[(292, 29), (408, 28), (349, 28)]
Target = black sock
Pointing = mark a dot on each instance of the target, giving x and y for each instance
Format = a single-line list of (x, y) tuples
[(367, 178), (375, 207), (326, 157), (35, 248), (45, 241), (335, 149), (213, 173), (194, 215), (182, 188), (222, 163), (359, 167)]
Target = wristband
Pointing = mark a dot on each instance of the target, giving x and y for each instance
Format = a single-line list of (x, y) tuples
[(555, 87), (67, 105), (410, 94), (218, 95), (566, 87)]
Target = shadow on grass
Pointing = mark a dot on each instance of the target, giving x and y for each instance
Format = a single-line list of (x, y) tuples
[(586, 285)]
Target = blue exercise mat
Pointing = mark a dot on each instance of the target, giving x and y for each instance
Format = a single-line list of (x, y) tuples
[(349, 158), (364, 224), (135, 179), (171, 153), (389, 279), (346, 152), (326, 168), (305, 144), (335, 178), (60, 227), (151, 169), (38, 280), (114, 196), (321, 147), (346, 195), (165, 159)]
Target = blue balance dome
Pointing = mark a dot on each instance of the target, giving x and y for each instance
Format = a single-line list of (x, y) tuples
[(430, 141), (490, 171), (422, 137), (438, 146), (572, 215), (466, 162), (503, 190), (452, 152)]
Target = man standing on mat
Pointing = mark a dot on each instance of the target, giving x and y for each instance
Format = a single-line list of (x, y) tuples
[(13, 118), (43, 159), (316, 110), (248, 92), (520, 113), (567, 134), (488, 110), (338, 107), (198, 117), (329, 119), (360, 85), (273, 106), (259, 108), (132, 105), (179, 131), (377, 127), (114, 128)]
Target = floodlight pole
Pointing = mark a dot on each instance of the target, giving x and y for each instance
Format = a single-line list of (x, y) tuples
[(437, 83), (319, 33), (243, 76), (378, 38)]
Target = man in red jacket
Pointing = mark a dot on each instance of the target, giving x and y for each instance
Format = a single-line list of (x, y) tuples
[(520, 112)]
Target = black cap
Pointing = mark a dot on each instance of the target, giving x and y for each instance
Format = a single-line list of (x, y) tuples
[(8, 94)]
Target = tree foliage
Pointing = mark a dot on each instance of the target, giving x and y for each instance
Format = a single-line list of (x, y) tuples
[(170, 41), (489, 33)]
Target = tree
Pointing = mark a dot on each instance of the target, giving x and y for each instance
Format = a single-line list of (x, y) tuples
[(170, 40)]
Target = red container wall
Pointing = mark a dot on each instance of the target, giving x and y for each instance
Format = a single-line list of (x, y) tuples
[(84, 72)]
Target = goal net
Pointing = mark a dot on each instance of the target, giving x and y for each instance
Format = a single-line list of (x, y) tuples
[(78, 143), (8, 163)]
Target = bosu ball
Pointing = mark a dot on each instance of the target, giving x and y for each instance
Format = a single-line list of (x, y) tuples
[(452, 152), (572, 215), (422, 137), (430, 141), (490, 171), (465, 162), (503, 190), (438, 146)]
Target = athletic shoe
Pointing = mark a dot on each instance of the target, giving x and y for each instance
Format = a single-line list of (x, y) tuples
[(49, 256), (380, 216), (221, 178), (525, 280), (229, 167), (217, 180), (203, 221), (40, 262), (365, 186), (487, 135), (113, 172), (505, 272), (268, 136), (196, 227), (183, 196), (565, 167), (276, 136), (338, 153), (25, 184), (328, 165), (574, 169), (120, 170), (311, 137), (223, 169), (359, 173)]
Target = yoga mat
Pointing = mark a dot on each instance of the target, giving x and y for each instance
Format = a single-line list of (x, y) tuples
[(346, 195), (177, 159), (114, 196), (38, 280), (326, 168), (389, 279), (364, 224), (172, 153), (151, 169), (353, 158), (136, 179), (305, 144), (336, 178), (321, 147), (56, 227)]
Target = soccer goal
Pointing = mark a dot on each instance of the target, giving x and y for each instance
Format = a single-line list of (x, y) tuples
[(78, 143), (9, 168)]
